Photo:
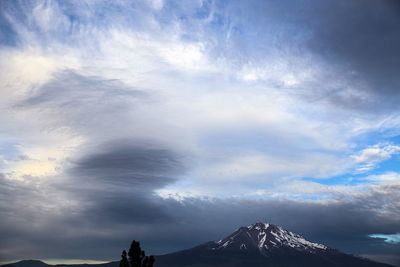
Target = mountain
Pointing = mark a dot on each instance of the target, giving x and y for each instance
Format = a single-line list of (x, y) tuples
[(263, 245), (257, 245), (38, 263), (27, 263)]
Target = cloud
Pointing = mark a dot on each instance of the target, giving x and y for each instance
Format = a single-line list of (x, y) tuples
[(254, 164), (144, 163), (362, 75), (370, 157), (134, 168), (388, 238), (388, 178), (21, 74), (373, 62)]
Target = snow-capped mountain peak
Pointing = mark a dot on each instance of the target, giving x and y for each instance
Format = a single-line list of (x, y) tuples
[(266, 237), (263, 244)]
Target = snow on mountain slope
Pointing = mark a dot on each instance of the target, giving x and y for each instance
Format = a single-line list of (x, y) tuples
[(265, 237)]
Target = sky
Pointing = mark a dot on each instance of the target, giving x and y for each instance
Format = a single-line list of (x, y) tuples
[(176, 122)]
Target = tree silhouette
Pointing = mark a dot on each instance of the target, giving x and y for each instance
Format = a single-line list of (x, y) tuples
[(151, 261), (124, 261), (137, 256), (145, 261)]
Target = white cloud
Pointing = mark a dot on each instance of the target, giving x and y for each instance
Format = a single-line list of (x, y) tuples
[(388, 238), (370, 157), (264, 167), (387, 178), (289, 72), (157, 4), (24, 70)]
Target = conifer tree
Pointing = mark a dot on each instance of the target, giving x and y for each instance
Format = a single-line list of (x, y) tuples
[(124, 261), (137, 256)]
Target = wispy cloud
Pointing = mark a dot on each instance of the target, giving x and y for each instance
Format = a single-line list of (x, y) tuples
[(388, 238), (370, 157)]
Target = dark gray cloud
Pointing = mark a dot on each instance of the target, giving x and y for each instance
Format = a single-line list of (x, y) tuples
[(82, 99), (357, 39), (362, 38), (133, 159), (134, 169), (68, 89), (366, 36)]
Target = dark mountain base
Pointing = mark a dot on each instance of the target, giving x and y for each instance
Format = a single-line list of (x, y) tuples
[(195, 258)]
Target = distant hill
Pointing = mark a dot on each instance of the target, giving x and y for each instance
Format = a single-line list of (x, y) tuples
[(27, 263), (38, 263), (256, 245)]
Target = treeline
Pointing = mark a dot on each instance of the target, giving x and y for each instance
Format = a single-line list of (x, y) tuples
[(136, 257)]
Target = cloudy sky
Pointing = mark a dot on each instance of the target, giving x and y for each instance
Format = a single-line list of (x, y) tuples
[(175, 122)]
